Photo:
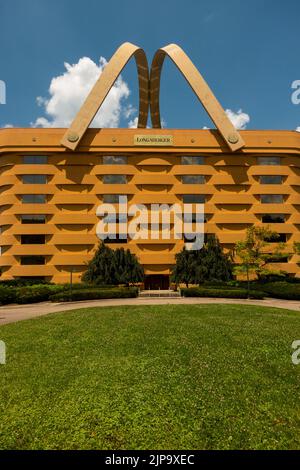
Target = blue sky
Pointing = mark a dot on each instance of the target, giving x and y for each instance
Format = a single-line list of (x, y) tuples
[(248, 51)]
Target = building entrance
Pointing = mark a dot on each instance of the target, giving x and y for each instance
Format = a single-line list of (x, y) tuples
[(157, 282)]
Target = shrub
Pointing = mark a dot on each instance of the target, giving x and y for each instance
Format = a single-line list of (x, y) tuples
[(282, 290), (36, 293), (219, 284), (44, 292), (273, 277), (223, 285), (96, 293), (229, 293), (23, 282), (85, 285), (257, 294), (292, 280), (236, 283), (7, 295)]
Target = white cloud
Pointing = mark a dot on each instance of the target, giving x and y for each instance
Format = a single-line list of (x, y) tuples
[(128, 111), (132, 124), (69, 90), (239, 119), (298, 129), (7, 126)]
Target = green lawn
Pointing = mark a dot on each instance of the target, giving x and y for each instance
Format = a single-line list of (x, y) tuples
[(154, 377)]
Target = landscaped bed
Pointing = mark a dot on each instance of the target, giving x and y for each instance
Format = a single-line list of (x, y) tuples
[(221, 292), (257, 290), (12, 292), (62, 293), (152, 377)]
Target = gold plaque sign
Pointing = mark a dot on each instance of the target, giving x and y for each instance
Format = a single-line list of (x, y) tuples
[(157, 140)]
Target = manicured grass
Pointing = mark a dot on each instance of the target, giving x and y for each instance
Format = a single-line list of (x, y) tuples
[(152, 377)]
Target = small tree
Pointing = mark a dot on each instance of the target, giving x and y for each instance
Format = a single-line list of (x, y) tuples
[(101, 269), (127, 267), (209, 263), (297, 248), (254, 255), (212, 263), (113, 267), (184, 269)]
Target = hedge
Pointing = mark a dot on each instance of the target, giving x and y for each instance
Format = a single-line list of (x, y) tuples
[(23, 282), (95, 293), (282, 290), (36, 293), (7, 295), (228, 293), (84, 285), (60, 293), (27, 294)]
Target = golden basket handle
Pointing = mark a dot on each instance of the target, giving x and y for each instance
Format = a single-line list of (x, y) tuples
[(200, 88), (109, 75)]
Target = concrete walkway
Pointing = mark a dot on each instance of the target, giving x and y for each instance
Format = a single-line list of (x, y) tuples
[(14, 313)]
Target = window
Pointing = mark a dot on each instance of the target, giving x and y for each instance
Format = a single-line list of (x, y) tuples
[(114, 179), (111, 198), (271, 198), (34, 179), (273, 218), (270, 179), (191, 238), (189, 160), (115, 218), (192, 218), (29, 260), (193, 198), (120, 238), (32, 239), (268, 160), (279, 237), (193, 179), (34, 198), (278, 259), (114, 160), (35, 159), (33, 219)]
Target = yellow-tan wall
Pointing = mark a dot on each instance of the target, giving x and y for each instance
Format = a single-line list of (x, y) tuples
[(75, 190)]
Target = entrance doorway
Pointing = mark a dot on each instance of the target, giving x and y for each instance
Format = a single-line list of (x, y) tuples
[(156, 282)]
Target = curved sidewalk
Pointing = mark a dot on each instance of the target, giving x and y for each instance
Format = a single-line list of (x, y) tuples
[(14, 313)]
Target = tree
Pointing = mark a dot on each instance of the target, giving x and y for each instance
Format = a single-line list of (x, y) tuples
[(184, 269), (297, 248), (212, 263), (254, 252), (209, 263), (113, 267), (101, 269), (127, 267)]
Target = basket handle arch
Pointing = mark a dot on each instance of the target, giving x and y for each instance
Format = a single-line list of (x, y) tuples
[(100, 90), (201, 89)]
